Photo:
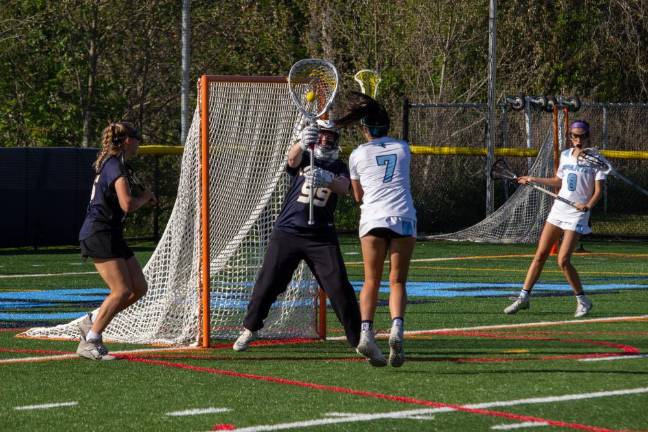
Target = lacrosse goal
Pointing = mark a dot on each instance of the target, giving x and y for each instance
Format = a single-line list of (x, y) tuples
[(231, 188)]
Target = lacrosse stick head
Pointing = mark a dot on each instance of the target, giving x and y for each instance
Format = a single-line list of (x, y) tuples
[(313, 84), (368, 80), (591, 157), (501, 171)]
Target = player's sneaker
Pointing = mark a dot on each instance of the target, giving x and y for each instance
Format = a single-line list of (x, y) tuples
[(396, 353), (93, 350), (583, 308), (85, 325), (367, 347), (517, 305), (243, 341)]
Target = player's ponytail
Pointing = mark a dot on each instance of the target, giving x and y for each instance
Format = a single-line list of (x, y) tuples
[(368, 112), (112, 140)]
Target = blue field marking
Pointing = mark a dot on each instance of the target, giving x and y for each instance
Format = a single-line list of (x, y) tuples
[(489, 289), (23, 303), (45, 316)]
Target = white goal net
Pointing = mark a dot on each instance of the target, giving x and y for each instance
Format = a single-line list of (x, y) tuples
[(252, 123), (521, 218)]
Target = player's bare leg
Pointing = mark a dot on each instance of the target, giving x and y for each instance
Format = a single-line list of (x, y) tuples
[(374, 251), (550, 236), (569, 243), (400, 254)]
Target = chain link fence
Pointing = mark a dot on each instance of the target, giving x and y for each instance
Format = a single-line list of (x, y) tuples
[(450, 189)]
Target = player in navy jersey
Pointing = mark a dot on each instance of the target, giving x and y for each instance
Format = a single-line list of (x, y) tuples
[(380, 178), (293, 239), (102, 239), (582, 185)]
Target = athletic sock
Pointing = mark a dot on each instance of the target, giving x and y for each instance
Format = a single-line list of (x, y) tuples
[(397, 322), (366, 325), (93, 315), (524, 295), (580, 298), (92, 336)]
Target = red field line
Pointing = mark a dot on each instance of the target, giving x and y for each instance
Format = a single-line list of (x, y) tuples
[(626, 349), (362, 393)]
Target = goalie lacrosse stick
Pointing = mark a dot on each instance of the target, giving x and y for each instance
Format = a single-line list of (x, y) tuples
[(313, 84), (501, 171), (592, 158), (369, 81)]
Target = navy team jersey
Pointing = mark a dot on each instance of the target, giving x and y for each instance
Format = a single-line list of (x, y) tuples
[(294, 213), (104, 211)]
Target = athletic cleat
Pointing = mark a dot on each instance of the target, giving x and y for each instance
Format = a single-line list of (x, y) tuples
[(396, 353), (517, 305), (243, 341), (583, 308), (367, 348), (85, 325), (93, 350)]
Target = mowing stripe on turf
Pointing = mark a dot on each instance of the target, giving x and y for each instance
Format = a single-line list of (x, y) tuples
[(369, 394), (45, 406)]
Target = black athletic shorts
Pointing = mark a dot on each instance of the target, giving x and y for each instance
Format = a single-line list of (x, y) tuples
[(105, 244), (385, 233)]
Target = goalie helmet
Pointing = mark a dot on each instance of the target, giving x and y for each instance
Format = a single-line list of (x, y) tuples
[(328, 141)]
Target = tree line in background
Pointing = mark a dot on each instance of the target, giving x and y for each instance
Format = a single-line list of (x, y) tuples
[(69, 67)]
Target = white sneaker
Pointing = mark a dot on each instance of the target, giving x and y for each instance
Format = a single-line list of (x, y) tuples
[(243, 341), (583, 308), (396, 353), (517, 305), (85, 325), (367, 347), (93, 350)]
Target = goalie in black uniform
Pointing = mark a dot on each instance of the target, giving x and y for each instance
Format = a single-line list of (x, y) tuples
[(293, 239)]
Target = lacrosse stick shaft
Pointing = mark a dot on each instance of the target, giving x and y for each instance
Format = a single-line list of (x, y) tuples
[(555, 195), (311, 191)]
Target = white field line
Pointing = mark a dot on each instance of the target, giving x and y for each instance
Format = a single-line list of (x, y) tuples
[(45, 406), (627, 357), (518, 425), (39, 359), (510, 326), (18, 276), (410, 414), (197, 411)]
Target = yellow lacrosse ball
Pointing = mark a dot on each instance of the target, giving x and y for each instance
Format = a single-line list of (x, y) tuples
[(310, 96)]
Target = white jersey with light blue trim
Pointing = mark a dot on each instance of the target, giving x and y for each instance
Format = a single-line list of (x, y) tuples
[(577, 185), (383, 168)]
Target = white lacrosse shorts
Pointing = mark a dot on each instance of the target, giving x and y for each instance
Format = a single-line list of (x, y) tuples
[(580, 225)]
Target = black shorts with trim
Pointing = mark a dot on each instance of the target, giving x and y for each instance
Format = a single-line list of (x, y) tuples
[(385, 233), (105, 244)]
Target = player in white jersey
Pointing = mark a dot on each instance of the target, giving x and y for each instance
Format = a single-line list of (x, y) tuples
[(380, 178), (579, 184)]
